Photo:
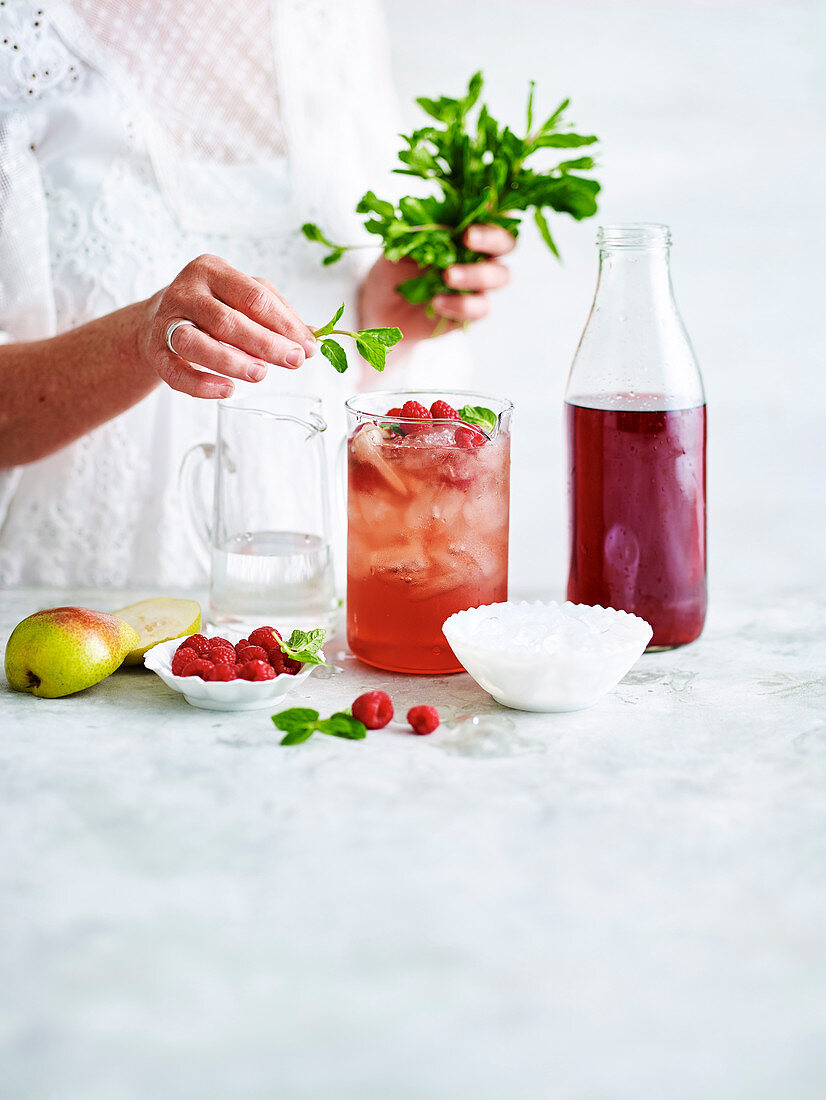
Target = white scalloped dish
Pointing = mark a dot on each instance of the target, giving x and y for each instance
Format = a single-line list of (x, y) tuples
[(222, 695), (547, 656)]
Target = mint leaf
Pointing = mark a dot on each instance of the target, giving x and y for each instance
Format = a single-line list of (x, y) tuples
[(300, 723), (387, 336), (343, 725), (333, 351), (480, 417), (325, 330), (372, 350), (545, 232), (305, 647)]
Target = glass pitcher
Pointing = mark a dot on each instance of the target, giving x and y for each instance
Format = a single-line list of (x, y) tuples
[(265, 538), (636, 427)]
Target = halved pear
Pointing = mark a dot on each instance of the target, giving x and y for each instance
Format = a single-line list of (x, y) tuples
[(159, 620)]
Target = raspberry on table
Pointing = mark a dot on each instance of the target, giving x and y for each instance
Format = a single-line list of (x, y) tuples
[(265, 636), (468, 437), (251, 653), (423, 719), (198, 667), (221, 672), (374, 708), (184, 656), (257, 670), (197, 642), (440, 410)]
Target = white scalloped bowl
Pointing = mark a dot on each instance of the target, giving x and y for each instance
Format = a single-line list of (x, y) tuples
[(219, 694), (546, 656)]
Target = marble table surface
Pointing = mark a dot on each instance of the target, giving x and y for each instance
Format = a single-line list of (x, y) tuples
[(619, 904)]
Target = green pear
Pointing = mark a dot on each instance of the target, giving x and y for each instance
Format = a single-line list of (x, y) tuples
[(66, 649), (159, 620)]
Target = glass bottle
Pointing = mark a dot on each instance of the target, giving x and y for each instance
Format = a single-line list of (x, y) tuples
[(636, 427)]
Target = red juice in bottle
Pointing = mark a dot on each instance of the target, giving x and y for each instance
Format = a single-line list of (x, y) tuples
[(637, 505), (636, 424)]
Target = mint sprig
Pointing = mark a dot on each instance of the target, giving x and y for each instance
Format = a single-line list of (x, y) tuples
[(304, 647), (300, 723), (371, 343), (480, 417), (479, 170)]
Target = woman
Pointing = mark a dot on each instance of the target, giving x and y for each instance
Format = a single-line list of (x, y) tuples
[(147, 146)]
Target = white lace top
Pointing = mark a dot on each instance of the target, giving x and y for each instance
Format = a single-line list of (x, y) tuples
[(134, 137)]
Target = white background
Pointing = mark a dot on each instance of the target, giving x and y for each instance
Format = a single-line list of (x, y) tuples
[(711, 119)]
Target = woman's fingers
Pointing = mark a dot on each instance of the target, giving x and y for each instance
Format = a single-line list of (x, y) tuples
[(462, 307), (479, 276), (257, 301), (246, 337), (179, 375), (493, 240)]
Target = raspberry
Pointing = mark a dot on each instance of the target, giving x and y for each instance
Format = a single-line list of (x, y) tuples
[(242, 644), (423, 719), (251, 653), (222, 655), (374, 708), (414, 410), (265, 636), (395, 412), (291, 666), (257, 670), (220, 643), (221, 672), (183, 656), (197, 642), (277, 661), (238, 669), (198, 667), (440, 410), (468, 437)]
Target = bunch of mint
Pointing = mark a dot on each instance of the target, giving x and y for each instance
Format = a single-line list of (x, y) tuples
[(371, 343), (480, 169)]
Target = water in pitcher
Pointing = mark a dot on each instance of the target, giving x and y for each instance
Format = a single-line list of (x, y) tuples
[(281, 578)]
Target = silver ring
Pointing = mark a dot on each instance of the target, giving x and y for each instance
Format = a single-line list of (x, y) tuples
[(170, 332)]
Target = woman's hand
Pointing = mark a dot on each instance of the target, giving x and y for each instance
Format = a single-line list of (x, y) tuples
[(240, 326), (381, 304)]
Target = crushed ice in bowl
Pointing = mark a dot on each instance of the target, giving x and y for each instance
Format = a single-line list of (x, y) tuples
[(546, 656)]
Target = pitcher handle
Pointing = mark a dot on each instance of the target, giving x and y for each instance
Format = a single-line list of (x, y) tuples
[(195, 507)]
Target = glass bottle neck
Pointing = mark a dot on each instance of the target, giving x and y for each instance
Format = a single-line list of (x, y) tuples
[(634, 278)]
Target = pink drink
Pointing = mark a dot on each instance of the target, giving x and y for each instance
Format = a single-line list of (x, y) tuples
[(427, 536), (638, 515)]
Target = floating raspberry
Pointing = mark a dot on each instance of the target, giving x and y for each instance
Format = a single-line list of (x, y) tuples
[(221, 672), (468, 437), (374, 708), (257, 670), (251, 653), (197, 642), (440, 410), (265, 636), (198, 667), (423, 719), (414, 410), (394, 412), (184, 656)]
